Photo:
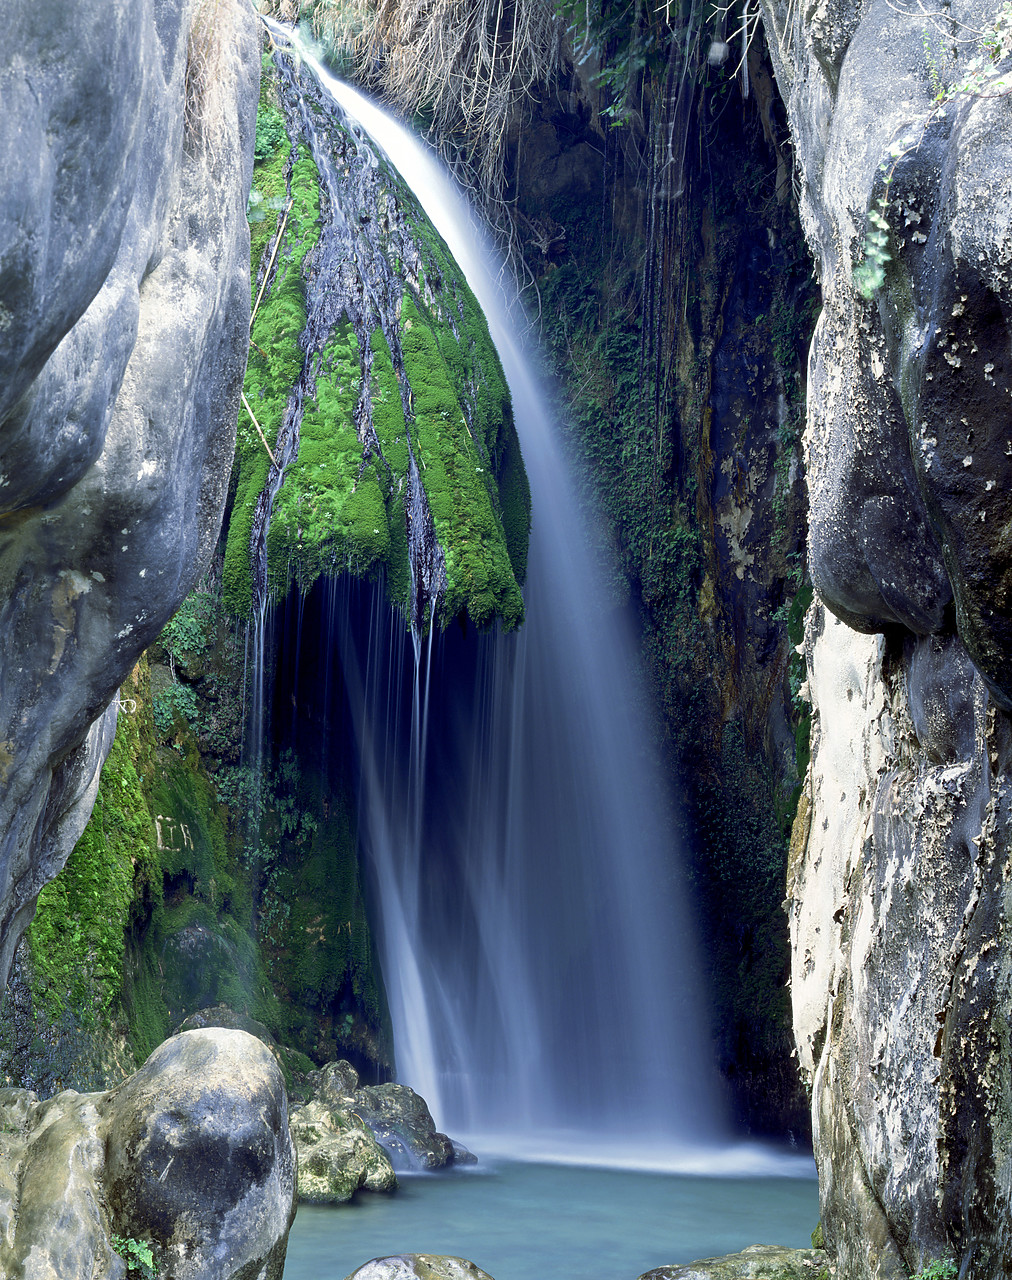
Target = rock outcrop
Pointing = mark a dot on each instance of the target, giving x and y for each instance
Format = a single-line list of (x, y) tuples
[(192, 1156), (126, 146), (898, 881), (374, 381)]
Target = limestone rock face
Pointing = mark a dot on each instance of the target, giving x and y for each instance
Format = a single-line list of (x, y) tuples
[(191, 1154), (126, 147), (898, 879), (909, 453), (900, 959)]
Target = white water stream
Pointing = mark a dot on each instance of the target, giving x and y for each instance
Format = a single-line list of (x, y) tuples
[(537, 954)]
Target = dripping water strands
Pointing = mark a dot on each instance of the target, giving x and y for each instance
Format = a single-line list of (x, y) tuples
[(536, 947)]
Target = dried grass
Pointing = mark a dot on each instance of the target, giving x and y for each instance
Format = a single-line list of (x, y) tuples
[(469, 66), (211, 71)]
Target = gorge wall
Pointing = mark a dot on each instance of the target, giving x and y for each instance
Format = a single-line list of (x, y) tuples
[(898, 883), (677, 322), (124, 265)]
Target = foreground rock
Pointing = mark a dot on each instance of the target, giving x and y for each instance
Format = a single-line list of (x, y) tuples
[(348, 1137), (758, 1262), (419, 1266), (126, 144), (191, 1154)]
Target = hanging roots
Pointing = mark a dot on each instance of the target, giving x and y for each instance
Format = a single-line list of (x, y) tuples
[(210, 70), (469, 66)]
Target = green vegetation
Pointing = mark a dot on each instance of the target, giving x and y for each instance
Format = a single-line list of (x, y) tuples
[(137, 1254), (940, 1269), (275, 364), (197, 882), (77, 939), (458, 483)]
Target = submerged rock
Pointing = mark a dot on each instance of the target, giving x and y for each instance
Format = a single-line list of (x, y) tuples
[(757, 1262), (419, 1266), (191, 1154)]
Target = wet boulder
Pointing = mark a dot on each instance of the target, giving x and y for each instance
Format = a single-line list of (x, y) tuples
[(190, 1156), (338, 1154)]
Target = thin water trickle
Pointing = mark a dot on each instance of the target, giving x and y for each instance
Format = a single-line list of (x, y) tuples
[(536, 950)]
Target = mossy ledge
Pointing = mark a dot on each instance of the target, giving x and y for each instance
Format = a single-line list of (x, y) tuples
[(376, 385)]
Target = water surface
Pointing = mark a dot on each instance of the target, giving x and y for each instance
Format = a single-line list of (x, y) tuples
[(525, 1221)]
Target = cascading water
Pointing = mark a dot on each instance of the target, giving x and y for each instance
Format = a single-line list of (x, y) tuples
[(536, 954)]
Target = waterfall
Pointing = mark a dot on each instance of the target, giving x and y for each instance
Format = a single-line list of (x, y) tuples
[(537, 952)]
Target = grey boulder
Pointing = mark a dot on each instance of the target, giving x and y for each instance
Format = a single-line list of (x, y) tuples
[(199, 1156)]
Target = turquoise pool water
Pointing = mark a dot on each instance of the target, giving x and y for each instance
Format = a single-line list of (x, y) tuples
[(537, 1221)]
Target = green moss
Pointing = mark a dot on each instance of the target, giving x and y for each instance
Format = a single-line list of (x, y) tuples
[(330, 514), (477, 376), (275, 364), (341, 507), (314, 925), (458, 484), (76, 940)]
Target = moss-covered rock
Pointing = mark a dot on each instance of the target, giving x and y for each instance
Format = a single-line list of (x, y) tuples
[(403, 1125), (758, 1262), (375, 383)]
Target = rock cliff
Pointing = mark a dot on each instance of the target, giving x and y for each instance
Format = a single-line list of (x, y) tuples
[(898, 878), (126, 144)]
